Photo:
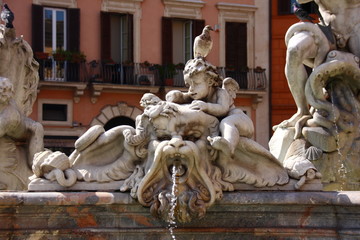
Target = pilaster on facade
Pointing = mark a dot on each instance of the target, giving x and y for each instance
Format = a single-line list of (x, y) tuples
[(183, 8)]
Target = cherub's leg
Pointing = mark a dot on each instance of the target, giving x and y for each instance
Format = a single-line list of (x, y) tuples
[(231, 134), (230, 137), (300, 47), (221, 144)]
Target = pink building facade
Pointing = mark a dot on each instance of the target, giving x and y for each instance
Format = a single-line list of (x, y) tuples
[(114, 51)]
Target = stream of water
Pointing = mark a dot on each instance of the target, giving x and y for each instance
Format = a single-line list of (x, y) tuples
[(172, 223)]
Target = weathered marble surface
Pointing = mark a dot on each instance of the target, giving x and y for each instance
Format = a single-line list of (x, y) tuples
[(321, 139), (239, 215), (182, 156), (20, 137)]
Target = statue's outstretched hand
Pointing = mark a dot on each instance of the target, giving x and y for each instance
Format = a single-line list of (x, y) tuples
[(198, 105)]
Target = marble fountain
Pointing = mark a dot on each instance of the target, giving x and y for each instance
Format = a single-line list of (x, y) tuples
[(190, 168)]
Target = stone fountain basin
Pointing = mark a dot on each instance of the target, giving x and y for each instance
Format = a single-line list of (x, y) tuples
[(239, 215)]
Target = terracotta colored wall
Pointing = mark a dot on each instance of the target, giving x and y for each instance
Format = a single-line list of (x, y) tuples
[(22, 20), (152, 11), (282, 102), (150, 49), (85, 110), (90, 28)]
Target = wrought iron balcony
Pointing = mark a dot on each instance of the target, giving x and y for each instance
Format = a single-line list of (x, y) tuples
[(137, 74), (62, 71)]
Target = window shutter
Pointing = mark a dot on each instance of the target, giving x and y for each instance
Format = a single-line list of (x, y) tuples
[(73, 29), (131, 36), (37, 28), (236, 45), (167, 39), (198, 26), (105, 35), (284, 7)]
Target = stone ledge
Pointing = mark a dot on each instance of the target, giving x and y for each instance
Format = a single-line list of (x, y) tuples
[(346, 198), (239, 215)]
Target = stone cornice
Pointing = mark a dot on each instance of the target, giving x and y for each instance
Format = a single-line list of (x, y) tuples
[(235, 7)]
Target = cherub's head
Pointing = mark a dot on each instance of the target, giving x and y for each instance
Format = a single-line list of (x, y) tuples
[(149, 99), (200, 76), (6, 90)]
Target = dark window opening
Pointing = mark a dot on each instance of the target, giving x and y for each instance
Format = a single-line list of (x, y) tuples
[(54, 112), (118, 121), (236, 45), (179, 31), (285, 7), (117, 37)]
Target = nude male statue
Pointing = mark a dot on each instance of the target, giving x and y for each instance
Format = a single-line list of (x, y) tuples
[(303, 48)]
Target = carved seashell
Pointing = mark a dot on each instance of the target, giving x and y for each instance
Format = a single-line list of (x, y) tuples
[(313, 153), (56, 160), (39, 158)]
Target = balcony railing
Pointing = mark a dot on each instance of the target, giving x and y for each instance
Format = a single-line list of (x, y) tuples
[(137, 74), (62, 71)]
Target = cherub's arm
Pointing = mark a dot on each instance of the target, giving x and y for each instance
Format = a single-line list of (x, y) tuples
[(178, 97), (218, 109)]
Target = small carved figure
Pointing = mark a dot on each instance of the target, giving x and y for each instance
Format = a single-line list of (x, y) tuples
[(205, 94), (236, 125)]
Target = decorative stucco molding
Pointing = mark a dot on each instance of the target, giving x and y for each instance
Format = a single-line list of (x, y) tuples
[(183, 8), (57, 3), (111, 111)]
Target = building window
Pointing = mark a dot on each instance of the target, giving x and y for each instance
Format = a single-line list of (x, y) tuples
[(236, 45), (177, 39), (55, 112), (54, 29), (117, 37), (182, 41), (285, 7)]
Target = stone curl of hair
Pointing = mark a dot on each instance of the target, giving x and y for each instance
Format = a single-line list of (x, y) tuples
[(198, 65)]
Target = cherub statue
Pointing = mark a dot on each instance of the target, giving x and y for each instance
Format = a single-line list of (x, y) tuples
[(236, 125), (206, 94)]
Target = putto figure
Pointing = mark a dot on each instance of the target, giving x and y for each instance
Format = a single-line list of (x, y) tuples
[(176, 144)]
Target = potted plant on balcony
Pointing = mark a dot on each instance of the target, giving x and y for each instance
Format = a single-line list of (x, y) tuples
[(41, 55), (77, 57), (169, 72), (61, 55)]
